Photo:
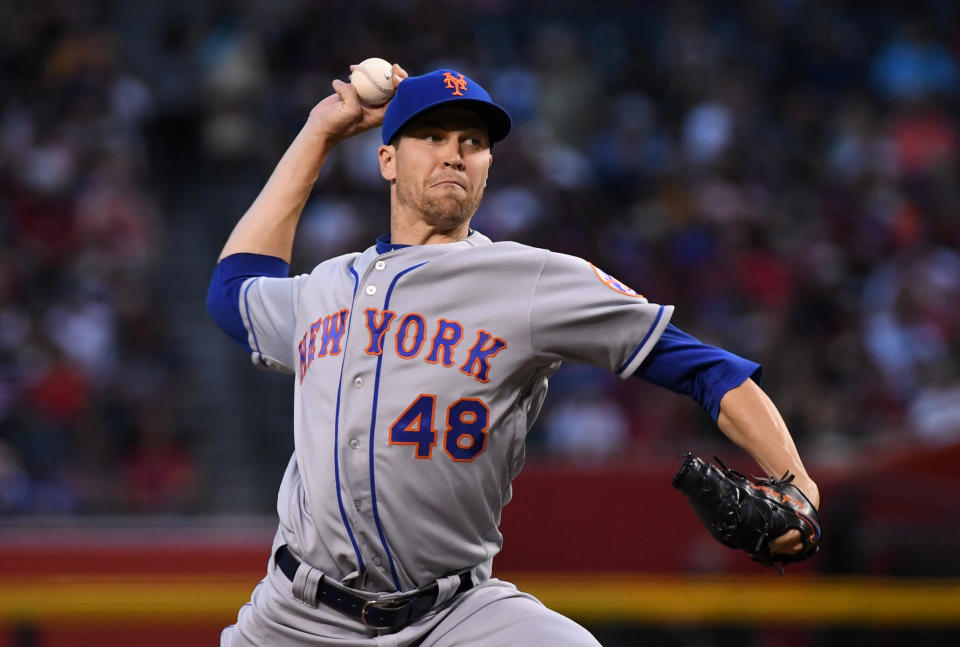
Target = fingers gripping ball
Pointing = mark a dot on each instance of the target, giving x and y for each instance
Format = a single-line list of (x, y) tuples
[(746, 514), (373, 79)]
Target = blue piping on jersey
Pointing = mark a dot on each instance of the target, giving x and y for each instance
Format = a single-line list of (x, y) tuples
[(373, 427), (336, 433), (246, 304), (653, 327)]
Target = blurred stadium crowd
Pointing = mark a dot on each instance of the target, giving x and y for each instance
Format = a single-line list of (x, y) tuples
[(787, 172)]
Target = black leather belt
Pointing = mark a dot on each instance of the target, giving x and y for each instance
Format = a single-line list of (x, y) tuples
[(390, 614)]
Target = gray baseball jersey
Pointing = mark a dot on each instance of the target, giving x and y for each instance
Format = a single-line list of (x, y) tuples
[(417, 374)]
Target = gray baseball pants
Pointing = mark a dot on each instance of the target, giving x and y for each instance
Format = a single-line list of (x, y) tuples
[(493, 614)]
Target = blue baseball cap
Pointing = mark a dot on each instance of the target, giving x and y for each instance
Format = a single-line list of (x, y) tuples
[(417, 94)]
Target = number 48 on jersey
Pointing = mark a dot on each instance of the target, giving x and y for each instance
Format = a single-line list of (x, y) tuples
[(465, 436)]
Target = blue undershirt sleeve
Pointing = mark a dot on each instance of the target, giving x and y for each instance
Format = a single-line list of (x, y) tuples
[(223, 295), (686, 365)]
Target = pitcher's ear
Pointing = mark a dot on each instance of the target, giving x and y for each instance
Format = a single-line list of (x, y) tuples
[(388, 158)]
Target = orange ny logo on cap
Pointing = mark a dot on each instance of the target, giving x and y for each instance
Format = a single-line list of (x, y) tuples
[(455, 83)]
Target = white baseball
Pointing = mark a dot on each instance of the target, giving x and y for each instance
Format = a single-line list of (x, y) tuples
[(373, 79)]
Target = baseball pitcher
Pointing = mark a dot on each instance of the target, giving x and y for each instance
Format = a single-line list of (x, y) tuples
[(418, 365)]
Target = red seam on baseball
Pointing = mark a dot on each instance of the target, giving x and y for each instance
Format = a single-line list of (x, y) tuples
[(374, 81)]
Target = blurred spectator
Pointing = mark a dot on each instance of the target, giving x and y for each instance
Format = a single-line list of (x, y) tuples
[(935, 412), (914, 65), (159, 475), (707, 132), (13, 482), (924, 139), (587, 427)]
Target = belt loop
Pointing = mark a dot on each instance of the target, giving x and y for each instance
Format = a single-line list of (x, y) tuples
[(306, 584), (446, 586)]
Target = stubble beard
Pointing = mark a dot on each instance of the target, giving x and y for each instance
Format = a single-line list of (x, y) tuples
[(447, 213)]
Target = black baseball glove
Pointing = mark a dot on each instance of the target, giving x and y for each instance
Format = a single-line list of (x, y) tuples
[(747, 513)]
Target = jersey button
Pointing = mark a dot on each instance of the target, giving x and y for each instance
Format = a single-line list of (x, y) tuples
[(379, 265), (354, 443), (356, 504), (377, 561), (371, 290), (358, 382)]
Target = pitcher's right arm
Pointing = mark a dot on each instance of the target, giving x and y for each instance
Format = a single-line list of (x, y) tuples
[(269, 225)]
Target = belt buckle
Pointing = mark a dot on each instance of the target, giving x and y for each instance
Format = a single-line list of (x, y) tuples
[(380, 604)]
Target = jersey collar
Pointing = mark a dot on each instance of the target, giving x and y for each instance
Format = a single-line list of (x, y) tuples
[(384, 245)]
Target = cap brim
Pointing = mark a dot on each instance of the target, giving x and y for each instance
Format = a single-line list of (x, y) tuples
[(496, 118)]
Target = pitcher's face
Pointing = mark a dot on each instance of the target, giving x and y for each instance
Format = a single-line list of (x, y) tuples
[(440, 163)]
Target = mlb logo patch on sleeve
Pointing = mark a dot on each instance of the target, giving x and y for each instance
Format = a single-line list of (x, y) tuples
[(615, 284)]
